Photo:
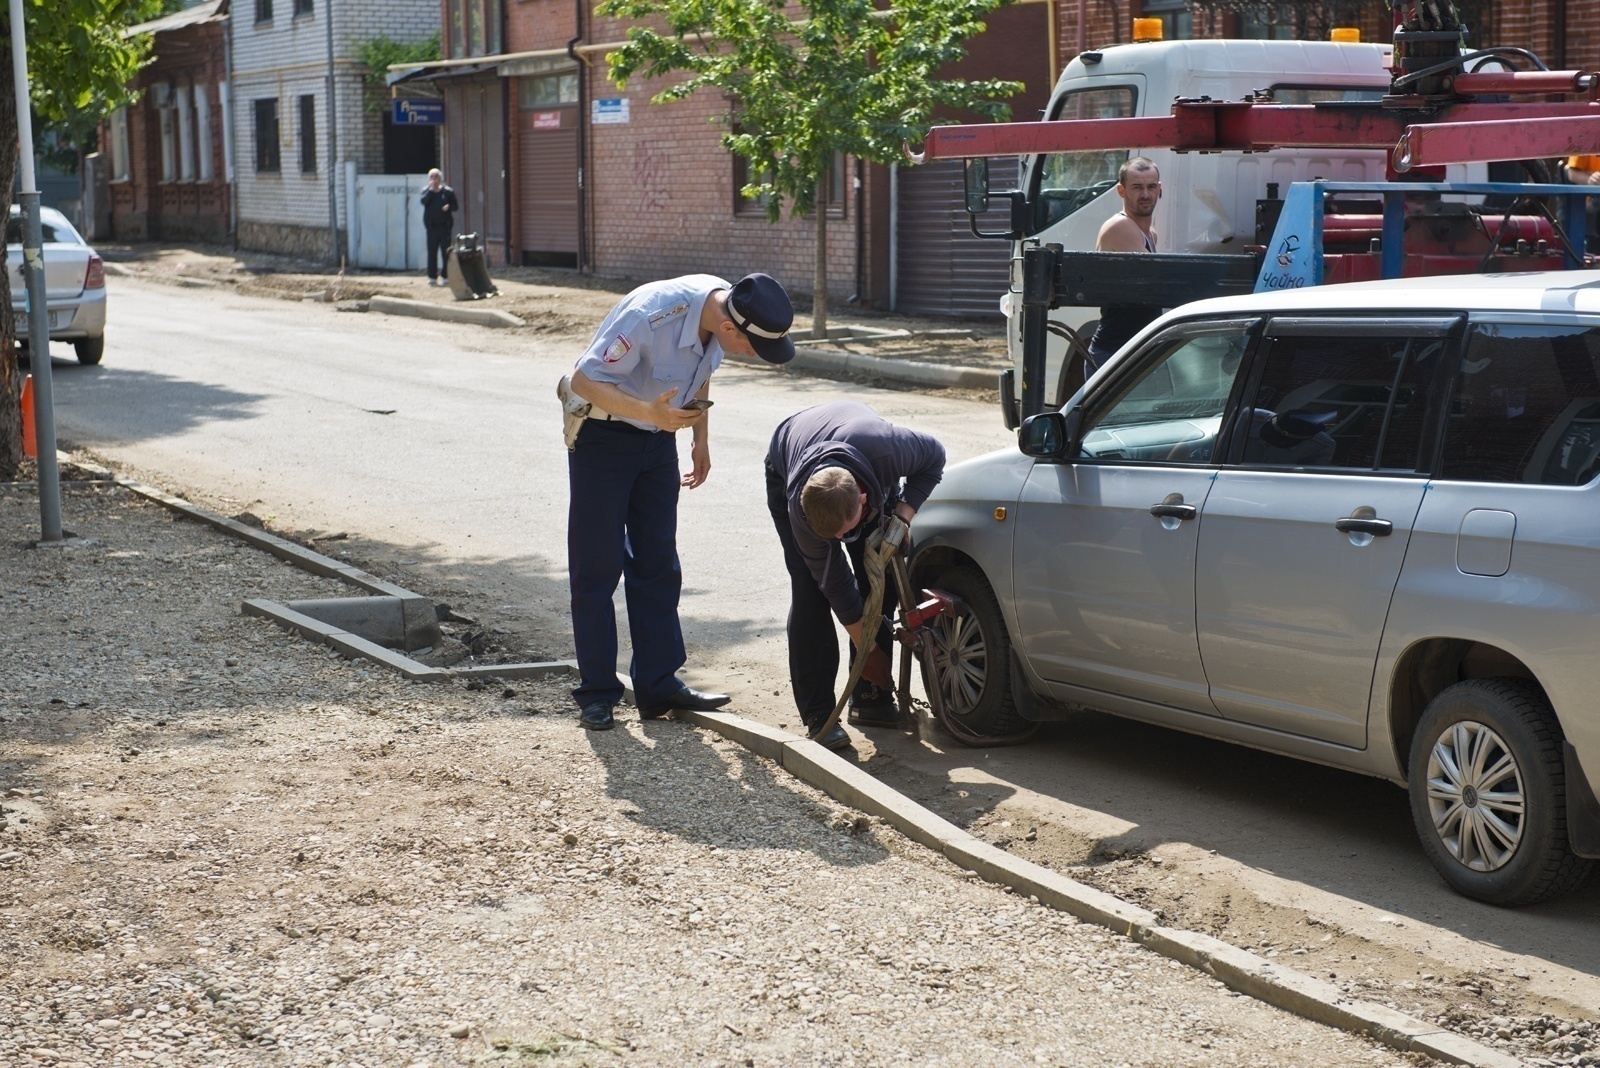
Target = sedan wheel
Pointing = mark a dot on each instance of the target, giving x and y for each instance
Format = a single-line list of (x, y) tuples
[(1488, 792)]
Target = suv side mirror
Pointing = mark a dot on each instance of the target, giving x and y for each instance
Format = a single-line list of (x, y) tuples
[(1051, 435), (976, 183)]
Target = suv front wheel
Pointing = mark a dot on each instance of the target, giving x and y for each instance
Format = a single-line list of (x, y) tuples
[(972, 664), (1488, 793)]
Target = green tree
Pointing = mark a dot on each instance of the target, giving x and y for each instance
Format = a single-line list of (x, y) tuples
[(379, 53), (810, 79), (79, 64)]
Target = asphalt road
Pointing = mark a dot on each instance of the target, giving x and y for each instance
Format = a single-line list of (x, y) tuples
[(437, 447)]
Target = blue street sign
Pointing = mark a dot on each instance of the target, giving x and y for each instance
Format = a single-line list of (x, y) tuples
[(419, 112)]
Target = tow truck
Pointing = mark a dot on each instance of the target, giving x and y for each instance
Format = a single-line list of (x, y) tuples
[(1442, 108)]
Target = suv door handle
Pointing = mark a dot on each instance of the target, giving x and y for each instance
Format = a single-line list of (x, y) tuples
[(1378, 528), (1174, 511)]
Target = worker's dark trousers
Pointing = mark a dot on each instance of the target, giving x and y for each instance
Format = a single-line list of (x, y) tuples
[(813, 642), (439, 250), (623, 524)]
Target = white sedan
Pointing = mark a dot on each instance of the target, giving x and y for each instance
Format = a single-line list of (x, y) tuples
[(74, 280)]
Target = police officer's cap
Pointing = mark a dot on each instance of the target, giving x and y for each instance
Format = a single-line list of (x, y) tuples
[(758, 305)]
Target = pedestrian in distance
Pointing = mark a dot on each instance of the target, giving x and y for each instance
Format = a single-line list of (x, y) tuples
[(439, 207), (834, 473), (1129, 230), (645, 375)]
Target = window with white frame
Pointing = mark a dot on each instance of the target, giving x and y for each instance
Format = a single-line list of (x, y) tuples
[(169, 132), (119, 145), (183, 104), (202, 131)]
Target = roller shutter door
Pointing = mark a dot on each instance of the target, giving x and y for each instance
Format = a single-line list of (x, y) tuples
[(549, 183), (942, 269)]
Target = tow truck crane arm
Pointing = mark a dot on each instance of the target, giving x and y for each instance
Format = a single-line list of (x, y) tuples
[(1461, 131)]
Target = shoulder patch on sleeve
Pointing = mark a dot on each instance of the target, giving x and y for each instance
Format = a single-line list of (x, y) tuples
[(619, 347), (667, 314)]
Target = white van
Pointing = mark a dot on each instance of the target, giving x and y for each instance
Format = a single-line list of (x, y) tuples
[(1209, 199)]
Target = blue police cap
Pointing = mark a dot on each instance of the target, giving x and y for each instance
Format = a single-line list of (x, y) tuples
[(758, 305)]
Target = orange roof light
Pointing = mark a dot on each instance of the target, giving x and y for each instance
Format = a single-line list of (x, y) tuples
[(1146, 30), (1345, 35)]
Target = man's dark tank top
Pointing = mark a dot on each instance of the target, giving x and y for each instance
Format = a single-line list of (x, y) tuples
[(1119, 322)]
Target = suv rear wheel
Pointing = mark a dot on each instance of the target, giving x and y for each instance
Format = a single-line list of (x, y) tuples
[(1488, 793), (972, 663)]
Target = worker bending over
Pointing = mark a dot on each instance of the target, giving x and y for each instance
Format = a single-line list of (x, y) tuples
[(833, 473)]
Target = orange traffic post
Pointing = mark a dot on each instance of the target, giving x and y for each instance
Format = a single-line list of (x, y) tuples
[(30, 445)]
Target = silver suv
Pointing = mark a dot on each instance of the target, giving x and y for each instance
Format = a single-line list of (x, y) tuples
[(1355, 524)]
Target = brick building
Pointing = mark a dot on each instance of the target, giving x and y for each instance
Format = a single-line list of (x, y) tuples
[(293, 147), (167, 159)]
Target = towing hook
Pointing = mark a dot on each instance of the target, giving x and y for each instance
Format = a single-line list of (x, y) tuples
[(912, 154), (1401, 156)]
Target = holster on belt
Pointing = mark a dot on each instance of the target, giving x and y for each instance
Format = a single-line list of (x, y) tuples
[(574, 410)]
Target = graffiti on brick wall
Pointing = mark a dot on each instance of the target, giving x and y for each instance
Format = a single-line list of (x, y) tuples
[(649, 176)]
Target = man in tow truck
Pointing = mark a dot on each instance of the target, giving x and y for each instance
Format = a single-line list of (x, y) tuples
[(1139, 186)]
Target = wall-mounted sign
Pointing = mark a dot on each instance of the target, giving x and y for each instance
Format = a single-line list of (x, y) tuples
[(547, 120), (419, 112), (607, 112)]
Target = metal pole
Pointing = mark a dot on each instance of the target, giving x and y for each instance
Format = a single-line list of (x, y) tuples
[(333, 141), (44, 412), (1038, 295)]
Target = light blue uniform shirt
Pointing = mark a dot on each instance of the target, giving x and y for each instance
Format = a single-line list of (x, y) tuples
[(650, 342)]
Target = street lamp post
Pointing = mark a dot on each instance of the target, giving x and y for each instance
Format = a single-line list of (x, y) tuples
[(44, 412)]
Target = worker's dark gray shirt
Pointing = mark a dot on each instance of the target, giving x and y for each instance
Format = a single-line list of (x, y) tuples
[(878, 454)]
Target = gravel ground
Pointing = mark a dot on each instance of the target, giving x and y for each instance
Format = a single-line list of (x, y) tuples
[(221, 845)]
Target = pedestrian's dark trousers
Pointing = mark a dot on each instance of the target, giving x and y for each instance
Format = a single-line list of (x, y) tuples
[(623, 524), (439, 250), (813, 641)]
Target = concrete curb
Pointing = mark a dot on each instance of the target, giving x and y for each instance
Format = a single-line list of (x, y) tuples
[(1236, 968), (423, 309), (814, 358)]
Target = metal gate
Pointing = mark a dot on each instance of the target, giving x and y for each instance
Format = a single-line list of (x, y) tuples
[(388, 214)]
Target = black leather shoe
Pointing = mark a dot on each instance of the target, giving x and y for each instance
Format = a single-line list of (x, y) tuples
[(596, 717), (694, 700), (835, 739)]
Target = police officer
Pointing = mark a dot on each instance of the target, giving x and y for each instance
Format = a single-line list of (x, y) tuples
[(833, 472), (646, 374)]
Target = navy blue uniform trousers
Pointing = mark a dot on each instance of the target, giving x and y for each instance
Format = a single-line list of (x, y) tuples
[(623, 524)]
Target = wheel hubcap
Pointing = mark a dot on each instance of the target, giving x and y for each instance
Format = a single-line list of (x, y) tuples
[(1475, 796), (960, 659)]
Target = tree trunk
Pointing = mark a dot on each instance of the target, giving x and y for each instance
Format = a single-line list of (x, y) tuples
[(819, 276), (10, 380)]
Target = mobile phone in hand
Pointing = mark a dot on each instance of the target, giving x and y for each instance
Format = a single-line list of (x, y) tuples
[(699, 404)]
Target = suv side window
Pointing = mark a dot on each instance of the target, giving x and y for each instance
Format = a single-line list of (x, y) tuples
[(1066, 181), (1170, 408), (1525, 406), (1352, 396)]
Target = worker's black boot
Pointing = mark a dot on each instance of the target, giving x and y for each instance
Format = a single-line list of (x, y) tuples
[(835, 739), (873, 706)]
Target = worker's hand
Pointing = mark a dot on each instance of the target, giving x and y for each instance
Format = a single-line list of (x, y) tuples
[(701, 455), (665, 416), (877, 669)]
